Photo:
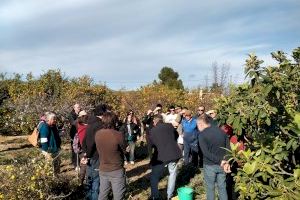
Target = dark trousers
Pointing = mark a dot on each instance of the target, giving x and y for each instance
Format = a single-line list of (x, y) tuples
[(114, 180), (190, 149), (74, 155)]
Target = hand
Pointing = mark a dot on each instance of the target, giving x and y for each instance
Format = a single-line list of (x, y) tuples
[(84, 161), (149, 112), (227, 168), (223, 162), (127, 149)]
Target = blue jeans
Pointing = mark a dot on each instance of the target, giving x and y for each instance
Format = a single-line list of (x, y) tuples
[(93, 180), (215, 174), (131, 145), (114, 180), (156, 173), (190, 148)]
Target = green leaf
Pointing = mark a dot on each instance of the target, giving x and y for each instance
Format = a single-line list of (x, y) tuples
[(262, 114), (268, 89), (277, 94), (275, 193), (250, 168), (269, 169), (258, 152), (295, 145), (289, 144), (268, 121), (296, 173)]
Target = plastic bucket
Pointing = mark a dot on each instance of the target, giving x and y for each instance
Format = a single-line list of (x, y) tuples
[(185, 193)]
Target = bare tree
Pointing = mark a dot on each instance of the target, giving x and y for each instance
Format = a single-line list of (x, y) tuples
[(224, 74), (215, 70)]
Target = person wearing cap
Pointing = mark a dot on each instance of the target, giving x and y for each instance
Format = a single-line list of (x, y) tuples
[(190, 139), (82, 121), (73, 130)]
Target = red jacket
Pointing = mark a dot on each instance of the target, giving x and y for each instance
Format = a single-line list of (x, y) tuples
[(81, 129)]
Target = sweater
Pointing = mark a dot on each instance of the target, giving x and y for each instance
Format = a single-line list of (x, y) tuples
[(111, 147), (212, 142)]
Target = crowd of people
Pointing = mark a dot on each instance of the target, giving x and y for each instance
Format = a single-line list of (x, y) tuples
[(102, 145)]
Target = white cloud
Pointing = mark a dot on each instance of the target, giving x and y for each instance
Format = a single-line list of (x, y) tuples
[(126, 43)]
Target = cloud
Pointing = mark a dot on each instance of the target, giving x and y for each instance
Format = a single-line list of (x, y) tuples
[(127, 43)]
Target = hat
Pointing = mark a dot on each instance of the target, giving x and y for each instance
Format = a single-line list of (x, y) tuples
[(82, 113)]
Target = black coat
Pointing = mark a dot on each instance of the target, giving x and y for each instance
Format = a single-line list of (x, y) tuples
[(163, 138), (72, 119), (89, 145), (135, 131)]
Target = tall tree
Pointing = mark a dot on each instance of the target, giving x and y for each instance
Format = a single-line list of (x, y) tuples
[(169, 78)]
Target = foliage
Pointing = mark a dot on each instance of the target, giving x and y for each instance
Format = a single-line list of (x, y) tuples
[(169, 78), (24, 101), (148, 96), (33, 180), (29, 99), (266, 112)]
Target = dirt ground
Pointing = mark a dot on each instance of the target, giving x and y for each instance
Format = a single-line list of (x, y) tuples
[(15, 147)]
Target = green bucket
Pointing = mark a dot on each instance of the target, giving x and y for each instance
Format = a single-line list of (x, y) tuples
[(185, 193)]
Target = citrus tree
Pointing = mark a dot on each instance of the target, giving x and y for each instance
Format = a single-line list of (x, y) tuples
[(266, 111)]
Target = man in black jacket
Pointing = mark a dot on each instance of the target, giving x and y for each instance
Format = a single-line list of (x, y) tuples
[(163, 138), (73, 130), (213, 142), (90, 150)]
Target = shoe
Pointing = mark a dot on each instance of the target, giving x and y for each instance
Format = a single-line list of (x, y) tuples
[(125, 162), (132, 162)]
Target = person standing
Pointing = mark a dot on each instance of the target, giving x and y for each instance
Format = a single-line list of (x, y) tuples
[(130, 131), (50, 141), (111, 145), (190, 139), (82, 121), (163, 138), (73, 130), (92, 157), (213, 142)]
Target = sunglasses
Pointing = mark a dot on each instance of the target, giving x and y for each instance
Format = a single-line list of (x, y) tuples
[(200, 110)]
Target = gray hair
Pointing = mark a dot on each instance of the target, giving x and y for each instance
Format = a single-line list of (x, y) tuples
[(49, 116)]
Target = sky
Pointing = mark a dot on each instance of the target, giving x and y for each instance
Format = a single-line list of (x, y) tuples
[(124, 44)]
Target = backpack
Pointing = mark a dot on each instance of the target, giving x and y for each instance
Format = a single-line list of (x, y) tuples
[(76, 144), (34, 137)]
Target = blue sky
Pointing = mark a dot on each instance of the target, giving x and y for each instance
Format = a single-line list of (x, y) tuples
[(126, 43)]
